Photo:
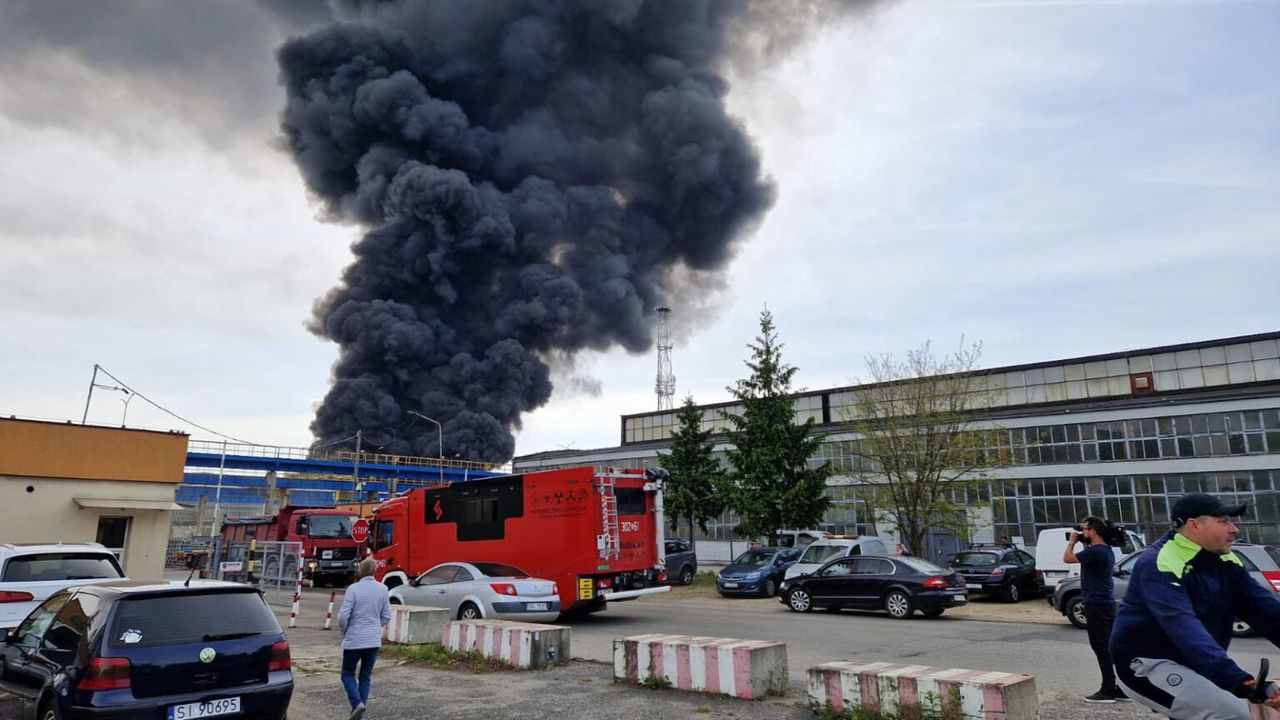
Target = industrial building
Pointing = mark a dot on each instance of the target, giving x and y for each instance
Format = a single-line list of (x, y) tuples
[(62, 482), (1119, 435)]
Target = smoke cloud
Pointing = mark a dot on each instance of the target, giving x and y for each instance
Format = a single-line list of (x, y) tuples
[(534, 175)]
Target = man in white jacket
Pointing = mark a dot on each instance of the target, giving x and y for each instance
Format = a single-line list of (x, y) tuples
[(366, 610)]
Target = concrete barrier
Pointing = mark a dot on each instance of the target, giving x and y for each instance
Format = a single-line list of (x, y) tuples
[(523, 645), (884, 686), (747, 669), (414, 624)]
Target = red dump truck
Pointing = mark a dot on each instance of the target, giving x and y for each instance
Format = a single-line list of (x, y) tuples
[(598, 535), (328, 551)]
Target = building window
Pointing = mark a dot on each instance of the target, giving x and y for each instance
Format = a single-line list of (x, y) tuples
[(113, 532)]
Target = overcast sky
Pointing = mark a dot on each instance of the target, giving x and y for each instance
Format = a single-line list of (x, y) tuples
[(1052, 178)]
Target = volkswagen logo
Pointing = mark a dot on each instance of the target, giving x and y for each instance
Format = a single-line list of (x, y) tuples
[(207, 655)]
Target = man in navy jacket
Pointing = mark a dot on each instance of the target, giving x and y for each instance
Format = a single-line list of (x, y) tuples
[(1171, 635)]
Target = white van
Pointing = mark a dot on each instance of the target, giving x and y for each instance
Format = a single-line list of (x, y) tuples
[(823, 551), (1052, 543), (800, 539)]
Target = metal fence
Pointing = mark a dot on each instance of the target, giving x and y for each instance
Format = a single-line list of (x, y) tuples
[(270, 565)]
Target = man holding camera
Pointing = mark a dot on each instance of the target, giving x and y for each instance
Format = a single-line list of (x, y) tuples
[(1171, 637), (1097, 588)]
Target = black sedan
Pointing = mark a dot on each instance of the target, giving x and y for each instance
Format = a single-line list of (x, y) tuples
[(898, 585), (998, 570), (160, 650)]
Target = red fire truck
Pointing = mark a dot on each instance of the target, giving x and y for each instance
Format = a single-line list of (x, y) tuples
[(598, 535), (328, 552)]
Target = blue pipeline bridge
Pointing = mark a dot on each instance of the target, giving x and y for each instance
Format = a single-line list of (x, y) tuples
[(250, 479)]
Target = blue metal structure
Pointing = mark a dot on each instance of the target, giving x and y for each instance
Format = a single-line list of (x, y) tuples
[(247, 473)]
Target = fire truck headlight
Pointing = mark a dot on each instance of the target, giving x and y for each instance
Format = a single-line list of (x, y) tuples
[(312, 565)]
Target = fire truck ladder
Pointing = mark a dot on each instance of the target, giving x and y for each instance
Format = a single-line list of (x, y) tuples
[(608, 542)]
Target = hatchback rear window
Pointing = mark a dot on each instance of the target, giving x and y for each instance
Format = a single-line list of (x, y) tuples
[(977, 559), (61, 566), (500, 570), (190, 618), (922, 566)]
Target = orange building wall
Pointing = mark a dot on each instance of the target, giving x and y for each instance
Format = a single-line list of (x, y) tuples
[(31, 448)]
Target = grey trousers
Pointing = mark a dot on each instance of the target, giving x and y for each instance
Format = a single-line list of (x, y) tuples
[(1178, 691)]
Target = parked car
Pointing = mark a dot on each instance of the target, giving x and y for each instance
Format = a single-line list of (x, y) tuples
[(1002, 570), (756, 572), (474, 590), (1262, 562), (832, 547), (898, 585), (29, 574), (149, 650), (682, 563)]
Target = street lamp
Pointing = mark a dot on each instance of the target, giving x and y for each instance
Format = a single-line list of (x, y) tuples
[(440, 433), (124, 418)]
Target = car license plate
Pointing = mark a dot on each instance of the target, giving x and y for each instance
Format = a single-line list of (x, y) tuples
[(213, 708), (731, 585), (535, 606), (973, 586), (326, 554), (961, 598)]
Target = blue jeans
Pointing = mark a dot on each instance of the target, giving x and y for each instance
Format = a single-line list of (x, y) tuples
[(357, 694)]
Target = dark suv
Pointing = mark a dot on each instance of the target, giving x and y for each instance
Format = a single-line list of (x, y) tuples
[(998, 570), (149, 650), (682, 563)]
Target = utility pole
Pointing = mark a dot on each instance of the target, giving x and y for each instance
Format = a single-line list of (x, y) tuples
[(355, 469)]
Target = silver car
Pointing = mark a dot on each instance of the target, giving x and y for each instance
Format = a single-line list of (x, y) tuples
[(475, 590), (1262, 562)]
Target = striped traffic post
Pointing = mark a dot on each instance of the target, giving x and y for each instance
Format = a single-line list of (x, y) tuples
[(297, 599), (328, 614)]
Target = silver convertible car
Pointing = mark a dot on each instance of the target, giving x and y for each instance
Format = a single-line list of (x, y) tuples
[(474, 590)]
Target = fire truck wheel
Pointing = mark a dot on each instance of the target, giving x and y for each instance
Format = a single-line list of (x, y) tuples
[(469, 611), (271, 569), (289, 572)]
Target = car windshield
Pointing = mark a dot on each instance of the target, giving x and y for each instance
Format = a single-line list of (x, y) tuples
[(61, 566), (977, 559), (500, 570), (821, 553), (190, 618), (757, 558), (923, 566), (330, 526)]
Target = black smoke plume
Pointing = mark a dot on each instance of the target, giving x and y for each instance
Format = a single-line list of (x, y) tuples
[(533, 176)]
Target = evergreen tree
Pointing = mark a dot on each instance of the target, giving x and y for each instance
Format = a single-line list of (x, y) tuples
[(695, 491), (774, 485)]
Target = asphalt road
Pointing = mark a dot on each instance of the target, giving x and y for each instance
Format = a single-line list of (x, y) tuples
[(1056, 654)]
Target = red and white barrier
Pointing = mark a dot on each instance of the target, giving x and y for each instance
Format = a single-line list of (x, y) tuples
[(328, 613), (883, 686), (297, 600), (415, 624), (747, 669), (523, 645)]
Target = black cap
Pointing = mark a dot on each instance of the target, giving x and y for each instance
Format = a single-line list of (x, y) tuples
[(1198, 504)]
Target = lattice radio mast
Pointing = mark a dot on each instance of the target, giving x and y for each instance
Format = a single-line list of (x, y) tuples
[(666, 383)]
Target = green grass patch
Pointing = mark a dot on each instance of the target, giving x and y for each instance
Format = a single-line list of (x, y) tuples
[(436, 656), (655, 682), (933, 707)]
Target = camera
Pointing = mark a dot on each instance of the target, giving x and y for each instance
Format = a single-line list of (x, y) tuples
[(1112, 535)]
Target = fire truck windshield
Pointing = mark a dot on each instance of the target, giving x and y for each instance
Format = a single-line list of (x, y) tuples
[(330, 526)]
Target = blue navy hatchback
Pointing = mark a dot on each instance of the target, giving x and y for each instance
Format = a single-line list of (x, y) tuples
[(756, 572), (161, 650)]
